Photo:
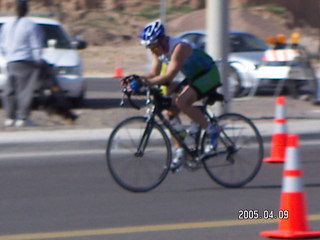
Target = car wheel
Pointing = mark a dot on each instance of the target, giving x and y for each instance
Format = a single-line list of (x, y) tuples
[(292, 88), (78, 101), (235, 84)]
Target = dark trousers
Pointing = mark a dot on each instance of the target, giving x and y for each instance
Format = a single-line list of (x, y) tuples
[(19, 89)]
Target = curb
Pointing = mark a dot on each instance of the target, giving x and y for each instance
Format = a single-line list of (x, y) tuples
[(307, 128), (55, 135), (304, 127)]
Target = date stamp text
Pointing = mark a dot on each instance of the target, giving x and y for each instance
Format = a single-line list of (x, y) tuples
[(251, 214)]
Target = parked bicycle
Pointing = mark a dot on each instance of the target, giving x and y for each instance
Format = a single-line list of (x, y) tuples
[(139, 150)]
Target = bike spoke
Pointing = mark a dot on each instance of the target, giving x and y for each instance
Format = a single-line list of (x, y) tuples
[(238, 155), (138, 157)]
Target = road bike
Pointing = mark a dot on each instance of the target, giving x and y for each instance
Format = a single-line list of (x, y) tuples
[(139, 150)]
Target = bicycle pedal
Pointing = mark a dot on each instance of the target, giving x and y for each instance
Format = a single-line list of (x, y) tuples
[(192, 165), (176, 166), (176, 169)]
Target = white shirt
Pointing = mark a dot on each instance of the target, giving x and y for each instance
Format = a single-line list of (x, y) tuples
[(21, 40), (172, 44)]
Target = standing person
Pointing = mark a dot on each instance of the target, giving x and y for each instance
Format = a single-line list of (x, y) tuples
[(21, 44)]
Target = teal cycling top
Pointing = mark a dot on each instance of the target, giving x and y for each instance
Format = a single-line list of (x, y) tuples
[(198, 63)]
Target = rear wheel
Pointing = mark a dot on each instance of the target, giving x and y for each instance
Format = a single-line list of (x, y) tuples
[(237, 157)]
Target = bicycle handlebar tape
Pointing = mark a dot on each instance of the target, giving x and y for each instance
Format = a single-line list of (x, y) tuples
[(292, 216), (279, 137), (118, 70)]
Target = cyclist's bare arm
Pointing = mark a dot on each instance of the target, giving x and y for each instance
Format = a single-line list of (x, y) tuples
[(180, 53), (155, 67)]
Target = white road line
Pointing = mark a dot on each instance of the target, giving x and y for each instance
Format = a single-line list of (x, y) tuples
[(144, 229), (8, 156)]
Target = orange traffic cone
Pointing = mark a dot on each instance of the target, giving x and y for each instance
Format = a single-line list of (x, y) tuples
[(292, 220), (118, 70), (279, 137)]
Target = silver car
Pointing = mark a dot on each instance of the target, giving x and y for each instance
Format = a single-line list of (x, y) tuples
[(246, 52), (60, 50)]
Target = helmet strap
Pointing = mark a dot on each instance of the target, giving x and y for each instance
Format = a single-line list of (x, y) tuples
[(164, 43)]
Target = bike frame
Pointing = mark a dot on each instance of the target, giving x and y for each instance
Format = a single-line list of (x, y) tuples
[(233, 127), (157, 111)]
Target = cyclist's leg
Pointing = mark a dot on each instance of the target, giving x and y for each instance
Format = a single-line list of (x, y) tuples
[(184, 102), (179, 153), (198, 88), (170, 114)]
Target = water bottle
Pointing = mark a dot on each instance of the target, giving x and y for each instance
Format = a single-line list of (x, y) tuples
[(176, 124), (214, 137), (192, 132)]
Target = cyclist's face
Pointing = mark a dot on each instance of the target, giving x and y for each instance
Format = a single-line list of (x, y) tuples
[(156, 48)]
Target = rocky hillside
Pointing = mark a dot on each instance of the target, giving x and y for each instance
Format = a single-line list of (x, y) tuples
[(103, 22), (111, 27), (304, 12)]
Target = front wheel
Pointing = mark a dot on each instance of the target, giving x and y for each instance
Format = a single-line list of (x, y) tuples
[(138, 154), (236, 158)]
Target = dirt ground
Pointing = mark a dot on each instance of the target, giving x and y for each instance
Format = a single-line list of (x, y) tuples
[(132, 58), (102, 61)]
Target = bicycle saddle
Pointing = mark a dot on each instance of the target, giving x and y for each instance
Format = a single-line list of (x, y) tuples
[(213, 97)]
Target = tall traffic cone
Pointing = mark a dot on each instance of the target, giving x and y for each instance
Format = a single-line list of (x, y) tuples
[(118, 70), (293, 218), (279, 137)]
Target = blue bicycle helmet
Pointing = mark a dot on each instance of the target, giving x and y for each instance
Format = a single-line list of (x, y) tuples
[(152, 33)]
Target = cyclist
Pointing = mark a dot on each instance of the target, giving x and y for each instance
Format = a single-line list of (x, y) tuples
[(201, 72)]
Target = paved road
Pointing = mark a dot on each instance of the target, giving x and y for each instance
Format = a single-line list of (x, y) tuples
[(62, 190), (54, 183)]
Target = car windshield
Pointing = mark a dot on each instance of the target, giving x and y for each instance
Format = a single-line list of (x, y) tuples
[(239, 42), (54, 32), (197, 39), (246, 43)]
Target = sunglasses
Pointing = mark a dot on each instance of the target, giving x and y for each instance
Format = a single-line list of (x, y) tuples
[(154, 47)]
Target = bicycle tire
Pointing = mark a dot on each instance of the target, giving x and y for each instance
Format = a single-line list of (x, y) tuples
[(234, 167), (134, 172)]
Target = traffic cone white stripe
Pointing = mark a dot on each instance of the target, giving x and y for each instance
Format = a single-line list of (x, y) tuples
[(279, 128), (292, 173), (292, 185), (292, 153), (280, 112)]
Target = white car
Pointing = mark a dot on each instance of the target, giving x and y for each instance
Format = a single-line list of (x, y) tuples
[(59, 50), (286, 67), (246, 52)]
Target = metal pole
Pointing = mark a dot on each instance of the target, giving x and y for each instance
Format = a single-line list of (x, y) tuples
[(163, 11), (217, 21)]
